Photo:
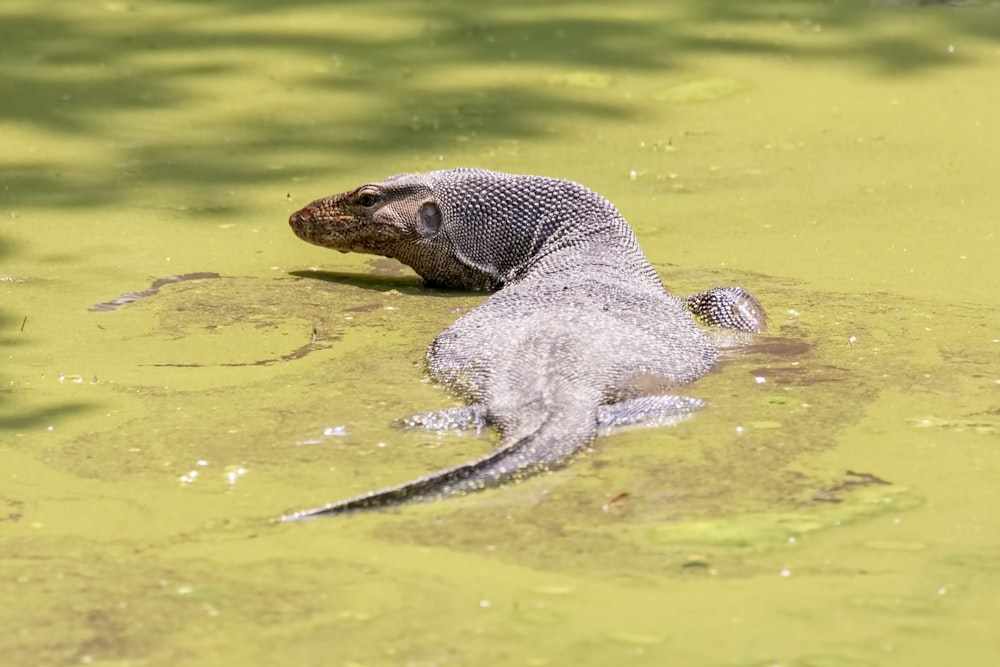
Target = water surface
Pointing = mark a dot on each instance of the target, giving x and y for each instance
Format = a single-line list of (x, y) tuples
[(835, 504)]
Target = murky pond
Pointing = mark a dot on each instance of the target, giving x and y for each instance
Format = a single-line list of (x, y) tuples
[(178, 369)]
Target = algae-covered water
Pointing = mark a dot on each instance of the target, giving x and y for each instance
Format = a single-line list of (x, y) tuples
[(836, 505)]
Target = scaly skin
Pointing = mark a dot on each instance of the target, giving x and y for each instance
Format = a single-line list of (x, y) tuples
[(580, 334)]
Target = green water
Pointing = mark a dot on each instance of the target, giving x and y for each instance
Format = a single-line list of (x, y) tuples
[(835, 506)]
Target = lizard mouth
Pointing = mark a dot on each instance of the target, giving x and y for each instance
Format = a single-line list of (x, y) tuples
[(310, 226), (305, 231), (303, 221)]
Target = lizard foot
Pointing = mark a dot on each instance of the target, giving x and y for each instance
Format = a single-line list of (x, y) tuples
[(730, 307), (457, 419), (646, 410)]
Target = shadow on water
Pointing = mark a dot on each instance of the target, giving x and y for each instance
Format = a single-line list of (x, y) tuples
[(409, 285), (12, 333), (77, 77), (38, 417)]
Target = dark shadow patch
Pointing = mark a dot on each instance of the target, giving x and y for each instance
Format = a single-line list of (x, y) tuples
[(132, 297), (853, 480), (409, 285), (41, 416), (413, 115), (313, 345), (778, 347), (11, 509)]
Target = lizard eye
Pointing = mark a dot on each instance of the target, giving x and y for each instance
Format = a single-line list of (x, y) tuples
[(367, 199)]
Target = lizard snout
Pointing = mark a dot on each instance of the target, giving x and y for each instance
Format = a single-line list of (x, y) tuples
[(305, 222), (303, 216)]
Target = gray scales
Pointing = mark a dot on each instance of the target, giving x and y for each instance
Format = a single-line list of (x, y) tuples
[(580, 334)]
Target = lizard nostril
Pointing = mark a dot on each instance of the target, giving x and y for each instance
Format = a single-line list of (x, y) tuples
[(301, 216)]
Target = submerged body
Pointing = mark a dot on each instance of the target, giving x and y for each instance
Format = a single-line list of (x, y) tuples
[(580, 335)]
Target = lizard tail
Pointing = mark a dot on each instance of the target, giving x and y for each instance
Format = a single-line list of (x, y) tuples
[(561, 433)]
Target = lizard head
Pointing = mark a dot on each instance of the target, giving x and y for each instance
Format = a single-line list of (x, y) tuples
[(400, 218), (465, 228), (373, 218)]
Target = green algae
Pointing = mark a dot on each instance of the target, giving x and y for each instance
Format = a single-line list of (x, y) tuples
[(834, 505), (581, 80), (704, 90), (765, 530)]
